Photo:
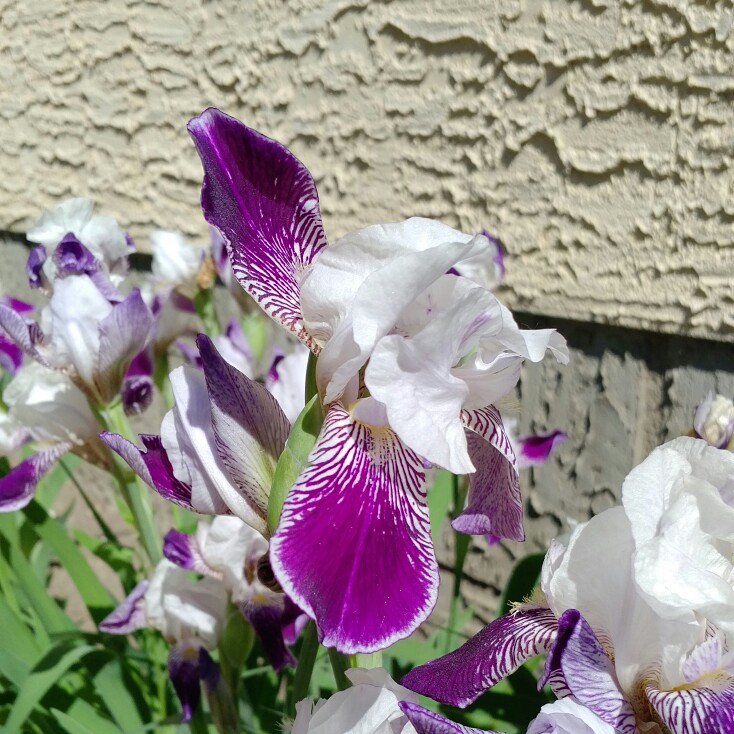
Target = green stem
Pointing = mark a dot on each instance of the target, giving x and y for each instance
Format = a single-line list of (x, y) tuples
[(304, 669), (160, 378), (340, 665), (197, 722), (461, 548), (134, 492), (204, 305)]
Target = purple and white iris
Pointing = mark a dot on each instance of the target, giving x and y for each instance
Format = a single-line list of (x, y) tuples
[(230, 550), (189, 614), (411, 360), (636, 614)]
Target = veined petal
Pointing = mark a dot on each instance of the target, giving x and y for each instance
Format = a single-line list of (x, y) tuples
[(589, 673), (363, 491), (701, 710), (122, 335), (460, 677), (129, 615), (19, 484), (494, 506), (250, 430), (263, 201), (264, 611), (152, 466), (26, 334), (11, 355), (429, 722)]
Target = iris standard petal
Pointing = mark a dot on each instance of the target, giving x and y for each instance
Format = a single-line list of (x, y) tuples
[(429, 722), (129, 615), (353, 548), (460, 677), (263, 201), (250, 431)]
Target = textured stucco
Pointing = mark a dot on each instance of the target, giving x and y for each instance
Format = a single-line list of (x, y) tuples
[(595, 136)]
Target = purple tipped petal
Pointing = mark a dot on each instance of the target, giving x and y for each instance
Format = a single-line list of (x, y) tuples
[(11, 355), (535, 450), (183, 668), (208, 671), (353, 548), (494, 505), (265, 613), (19, 484), (24, 333), (263, 201), (249, 426), (34, 266), (122, 335), (429, 722), (589, 673), (178, 548), (460, 677), (129, 615), (293, 621), (696, 710), (152, 466), (16, 304)]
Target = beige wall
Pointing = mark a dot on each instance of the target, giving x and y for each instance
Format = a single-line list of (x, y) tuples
[(595, 137)]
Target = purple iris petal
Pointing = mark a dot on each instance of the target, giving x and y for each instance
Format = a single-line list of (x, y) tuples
[(71, 257), (181, 302), (250, 428), (190, 354), (700, 710), (34, 266), (588, 672), (460, 677), (152, 466), (24, 333), (265, 613), (263, 201), (177, 548), (208, 671), (234, 333), (499, 257), (19, 484), (16, 304), (353, 548), (183, 668), (122, 335), (429, 722), (11, 355), (535, 450), (129, 615), (141, 365), (293, 621), (494, 505)]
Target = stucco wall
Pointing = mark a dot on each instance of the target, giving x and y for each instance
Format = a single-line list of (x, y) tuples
[(595, 136)]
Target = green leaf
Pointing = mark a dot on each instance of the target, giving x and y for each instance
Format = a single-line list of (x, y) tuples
[(110, 683), (48, 671), (17, 641), (70, 725), (294, 458), (522, 581), (439, 501), (95, 596)]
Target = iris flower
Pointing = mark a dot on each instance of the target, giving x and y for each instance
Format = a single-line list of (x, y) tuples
[(410, 361), (636, 611)]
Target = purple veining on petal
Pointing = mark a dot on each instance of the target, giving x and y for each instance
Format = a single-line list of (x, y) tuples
[(364, 491), (122, 335), (183, 669), (588, 672), (129, 615), (265, 613), (263, 201), (704, 659), (429, 722), (494, 504), (460, 677), (137, 394), (71, 257), (152, 466), (249, 426), (700, 710), (177, 548), (34, 266), (535, 450), (19, 484), (25, 333)]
